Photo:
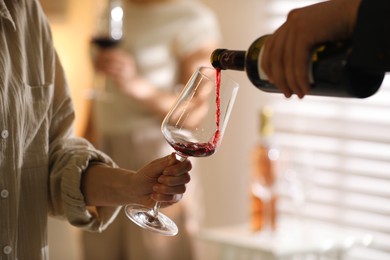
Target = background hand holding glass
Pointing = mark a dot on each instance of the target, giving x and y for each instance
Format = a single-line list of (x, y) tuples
[(108, 34), (193, 127)]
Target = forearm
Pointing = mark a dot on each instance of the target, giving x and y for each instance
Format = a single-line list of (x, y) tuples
[(105, 186), (161, 179), (155, 100)]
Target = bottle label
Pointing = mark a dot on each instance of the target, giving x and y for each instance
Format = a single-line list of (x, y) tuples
[(263, 75)]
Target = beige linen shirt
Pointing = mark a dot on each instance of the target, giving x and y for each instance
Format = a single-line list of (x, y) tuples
[(41, 162)]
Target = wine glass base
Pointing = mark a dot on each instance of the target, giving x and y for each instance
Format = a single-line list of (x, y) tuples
[(143, 217)]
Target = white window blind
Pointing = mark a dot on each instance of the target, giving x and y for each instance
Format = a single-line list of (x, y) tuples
[(337, 152)]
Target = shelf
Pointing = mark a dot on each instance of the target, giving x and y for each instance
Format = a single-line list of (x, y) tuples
[(292, 240)]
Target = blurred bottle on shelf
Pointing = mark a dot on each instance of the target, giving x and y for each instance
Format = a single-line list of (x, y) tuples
[(265, 156)]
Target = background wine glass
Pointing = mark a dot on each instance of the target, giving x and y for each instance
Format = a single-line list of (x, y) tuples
[(193, 127), (108, 34)]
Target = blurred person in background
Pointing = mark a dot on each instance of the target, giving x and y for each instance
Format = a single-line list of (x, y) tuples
[(365, 23), (163, 43)]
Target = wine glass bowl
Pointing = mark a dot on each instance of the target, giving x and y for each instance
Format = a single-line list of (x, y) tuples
[(196, 123), (109, 29), (194, 126)]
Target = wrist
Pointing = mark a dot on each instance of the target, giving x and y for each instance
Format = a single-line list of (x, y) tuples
[(106, 186), (119, 187)]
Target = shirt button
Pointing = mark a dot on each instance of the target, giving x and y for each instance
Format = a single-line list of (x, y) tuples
[(7, 250), (4, 194), (4, 134)]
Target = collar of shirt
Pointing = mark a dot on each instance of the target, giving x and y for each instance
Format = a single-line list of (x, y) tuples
[(4, 13)]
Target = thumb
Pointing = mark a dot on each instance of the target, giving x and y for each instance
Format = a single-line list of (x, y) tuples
[(171, 159), (156, 167)]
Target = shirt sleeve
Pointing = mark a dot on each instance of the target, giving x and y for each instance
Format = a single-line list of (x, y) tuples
[(371, 38), (69, 156)]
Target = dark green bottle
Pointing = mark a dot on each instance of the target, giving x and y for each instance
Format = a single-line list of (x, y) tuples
[(332, 75)]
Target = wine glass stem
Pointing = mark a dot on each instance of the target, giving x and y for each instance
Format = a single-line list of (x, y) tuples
[(180, 157), (156, 208)]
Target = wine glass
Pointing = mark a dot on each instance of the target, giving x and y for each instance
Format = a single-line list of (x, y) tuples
[(194, 126), (108, 34)]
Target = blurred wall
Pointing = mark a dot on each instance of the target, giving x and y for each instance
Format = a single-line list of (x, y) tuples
[(71, 33), (223, 176)]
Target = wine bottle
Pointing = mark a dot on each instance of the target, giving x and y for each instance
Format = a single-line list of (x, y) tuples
[(263, 195), (331, 74)]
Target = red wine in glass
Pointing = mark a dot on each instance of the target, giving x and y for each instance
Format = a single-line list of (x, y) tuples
[(194, 149), (105, 42), (100, 92), (186, 149)]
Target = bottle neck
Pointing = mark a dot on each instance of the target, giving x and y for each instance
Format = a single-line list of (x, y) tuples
[(266, 130), (228, 59)]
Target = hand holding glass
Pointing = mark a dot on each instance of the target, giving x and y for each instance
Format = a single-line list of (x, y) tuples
[(108, 35), (193, 127)]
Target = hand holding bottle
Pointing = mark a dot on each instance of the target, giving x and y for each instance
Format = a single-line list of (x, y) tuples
[(287, 53), (312, 53)]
